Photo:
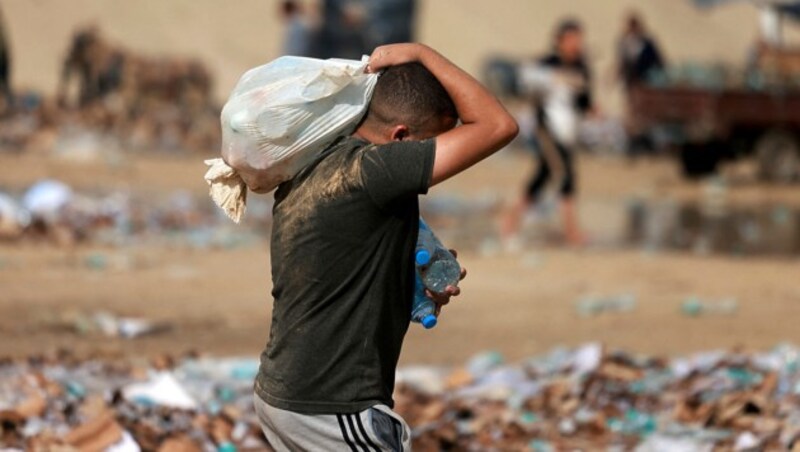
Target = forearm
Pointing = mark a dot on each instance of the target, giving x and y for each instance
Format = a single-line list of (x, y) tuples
[(486, 125), (474, 103)]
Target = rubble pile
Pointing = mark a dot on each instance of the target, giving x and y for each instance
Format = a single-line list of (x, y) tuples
[(60, 403), (53, 211), (590, 398), (113, 96), (586, 398)]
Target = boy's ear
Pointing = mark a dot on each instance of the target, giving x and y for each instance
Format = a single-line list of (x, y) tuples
[(399, 132)]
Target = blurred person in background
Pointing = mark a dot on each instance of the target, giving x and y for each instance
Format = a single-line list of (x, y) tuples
[(390, 21), (299, 34), (5, 68), (342, 31), (638, 57), (637, 53), (352, 28), (560, 82)]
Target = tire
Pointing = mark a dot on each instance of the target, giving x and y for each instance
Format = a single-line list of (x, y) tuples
[(778, 154), (699, 159)]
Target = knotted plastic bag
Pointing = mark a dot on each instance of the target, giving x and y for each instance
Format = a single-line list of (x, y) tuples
[(279, 117)]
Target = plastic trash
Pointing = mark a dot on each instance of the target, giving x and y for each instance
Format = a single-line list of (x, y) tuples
[(540, 445), (162, 389), (46, 199), (423, 309), (747, 441), (660, 443), (227, 446), (126, 444), (281, 115), (694, 307), (483, 363), (591, 306), (13, 218), (227, 189), (587, 358), (126, 327), (436, 265), (556, 89), (634, 422)]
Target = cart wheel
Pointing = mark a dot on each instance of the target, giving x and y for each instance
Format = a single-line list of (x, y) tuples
[(778, 155), (699, 159)]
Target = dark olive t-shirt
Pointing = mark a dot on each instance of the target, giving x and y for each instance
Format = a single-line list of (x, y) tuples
[(343, 236)]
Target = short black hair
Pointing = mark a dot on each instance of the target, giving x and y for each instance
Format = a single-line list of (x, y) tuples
[(289, 8), (569, 25), (410, 94)]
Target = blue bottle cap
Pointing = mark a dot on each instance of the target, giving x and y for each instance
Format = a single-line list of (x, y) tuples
[(422, 257), (429, 321)]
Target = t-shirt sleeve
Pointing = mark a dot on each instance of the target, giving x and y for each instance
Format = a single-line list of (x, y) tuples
[(397, 170)]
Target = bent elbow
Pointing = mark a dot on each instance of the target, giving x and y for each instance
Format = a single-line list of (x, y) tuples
[(507, 129)]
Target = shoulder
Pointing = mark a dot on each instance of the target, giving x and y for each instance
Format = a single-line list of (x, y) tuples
[(345, 148), (398, 152)]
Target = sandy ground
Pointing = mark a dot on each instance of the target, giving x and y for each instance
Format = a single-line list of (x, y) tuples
[(219, 303)]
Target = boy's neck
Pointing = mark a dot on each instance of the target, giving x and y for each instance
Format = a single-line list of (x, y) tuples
[(369, 135)]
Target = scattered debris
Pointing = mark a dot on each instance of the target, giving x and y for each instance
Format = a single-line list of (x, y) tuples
[(104, 323), (54, 212), (584, 398), (695, 307), (589, 306), (591, 398)]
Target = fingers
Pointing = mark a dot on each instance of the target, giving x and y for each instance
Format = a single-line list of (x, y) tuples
[(378, 60), (453, 291), (442, 299), (439, 299), (391, 55), (463, 270)]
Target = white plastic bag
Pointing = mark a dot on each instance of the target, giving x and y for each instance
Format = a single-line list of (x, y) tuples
[(280, 115), (557, 97)]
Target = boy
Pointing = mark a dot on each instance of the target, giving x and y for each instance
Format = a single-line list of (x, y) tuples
[(343, 237), (557, 118)]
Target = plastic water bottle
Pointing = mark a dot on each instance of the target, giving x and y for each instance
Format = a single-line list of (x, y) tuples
[(423, 310), (694, 307), (436, 265)]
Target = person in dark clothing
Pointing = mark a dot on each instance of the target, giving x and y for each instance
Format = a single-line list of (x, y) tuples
[(390, 21), (5, 68), (299, 35), (344, 233), (562, 82), (637, 53), (638, 57), (342, 32)]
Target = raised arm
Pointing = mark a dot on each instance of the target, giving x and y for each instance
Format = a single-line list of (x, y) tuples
[(486, 126)]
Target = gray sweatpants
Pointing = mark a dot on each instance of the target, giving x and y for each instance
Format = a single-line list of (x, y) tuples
[(374, 429)]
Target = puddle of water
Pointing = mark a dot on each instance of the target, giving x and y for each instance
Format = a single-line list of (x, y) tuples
[(766, 229)]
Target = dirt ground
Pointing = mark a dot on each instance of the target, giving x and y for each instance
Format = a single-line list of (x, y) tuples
[(218, 301)]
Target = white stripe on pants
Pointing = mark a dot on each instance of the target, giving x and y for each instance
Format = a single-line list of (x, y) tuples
[(375, 429)]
